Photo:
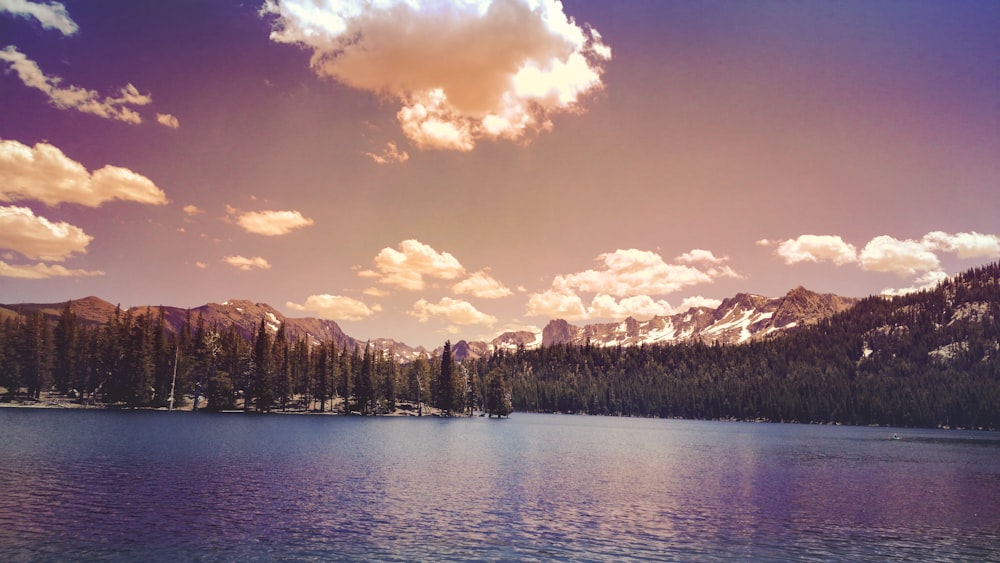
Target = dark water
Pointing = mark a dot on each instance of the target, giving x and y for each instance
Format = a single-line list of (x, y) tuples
[(86, 485)]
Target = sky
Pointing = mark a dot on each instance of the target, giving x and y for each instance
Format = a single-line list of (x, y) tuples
[(428, 170)]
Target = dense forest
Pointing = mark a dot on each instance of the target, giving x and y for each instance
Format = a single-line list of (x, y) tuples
[(930, 358)]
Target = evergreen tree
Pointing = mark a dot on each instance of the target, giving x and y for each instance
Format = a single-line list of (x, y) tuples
[(445, 389)]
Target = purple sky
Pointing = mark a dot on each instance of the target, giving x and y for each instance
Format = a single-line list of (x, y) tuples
[(455, 172)]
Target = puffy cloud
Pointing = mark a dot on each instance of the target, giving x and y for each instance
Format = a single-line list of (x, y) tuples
[(247, 264), (462, 70), (641, 306), (814, 248), (74, 97), (455, 311), (928, 280), (45, 174), (42, 271), (167, 120), (38, 238), (966, 245), (481, 284), (406, 268), (390, 155), (699, 301), (272, 223), (556, 304), (627, 273), (52, 15), (903, 257), (698, 255), (192, 210), (200, 265), (336, 307)]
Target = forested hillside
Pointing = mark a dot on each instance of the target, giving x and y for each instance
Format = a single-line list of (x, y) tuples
[(926, 359)]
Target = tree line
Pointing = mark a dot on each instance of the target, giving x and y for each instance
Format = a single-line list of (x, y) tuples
[(930, 358), (135, 361)]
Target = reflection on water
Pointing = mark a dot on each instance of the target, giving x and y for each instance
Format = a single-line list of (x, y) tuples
[(168, 486)]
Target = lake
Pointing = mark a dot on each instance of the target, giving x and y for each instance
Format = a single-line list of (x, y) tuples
[(103, 485)]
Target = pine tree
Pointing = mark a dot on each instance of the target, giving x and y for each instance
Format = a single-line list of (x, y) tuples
[(445, 386)]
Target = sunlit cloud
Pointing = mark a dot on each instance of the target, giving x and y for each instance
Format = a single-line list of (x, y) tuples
[(407, 267), (167, 120), (51, 15), (698, 301), (631, 272), (929, 280), (272, 223), (391, 154), (903, 257), (481, 284), (965, 245), (335, 307), (43, 271), (639, 306), (697, 255), (814, 248), (556, 304), (118, 107), (455, 311), (43, 173), (38, 238), (192, 210), (247, 264), (200, 265), (461, 70)]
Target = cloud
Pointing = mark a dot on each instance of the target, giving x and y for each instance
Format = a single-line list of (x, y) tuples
[(556, 304), (481, 284), (52, 15), (42, 271), (965, 245), (903, 257), (814, 248), (247, 264), (461, 70), (73, 97), (455, 311), (406, 268), (698, 301), (45, 174), (272, 223), (200, 265), (698, 255), (38, 238), (626, 273), (167, 120), (641, 306), (928, 280), (335, 307), (390, 155), (192, 210)]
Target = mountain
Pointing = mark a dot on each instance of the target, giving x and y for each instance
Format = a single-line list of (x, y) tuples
[(741, 318)]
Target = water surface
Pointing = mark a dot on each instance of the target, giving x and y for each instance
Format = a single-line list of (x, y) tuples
[(100, 485)]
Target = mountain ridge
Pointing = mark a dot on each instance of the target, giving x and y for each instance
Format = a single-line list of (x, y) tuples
[(740, 318)]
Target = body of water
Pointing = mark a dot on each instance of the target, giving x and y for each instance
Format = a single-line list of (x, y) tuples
[(100, 485)]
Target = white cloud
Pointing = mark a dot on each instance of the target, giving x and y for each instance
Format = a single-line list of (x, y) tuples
[(698, 255), (455, 311), (52, 15), (639, 306), (965, 245), (45, 174), (556, 304), (247, 264), (632, 272), (929, 280), (167, 120), (390, 155), (42, 271), (462, 70), (481, 284), (814, 248), (192, 210), (406, 268), (38, 238), (335, 307), (73, 97), (272, 223), (699, 301), (200, 265), (903, 257)]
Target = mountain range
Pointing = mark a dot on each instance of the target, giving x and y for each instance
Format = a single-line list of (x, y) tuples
[(741, 318)]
